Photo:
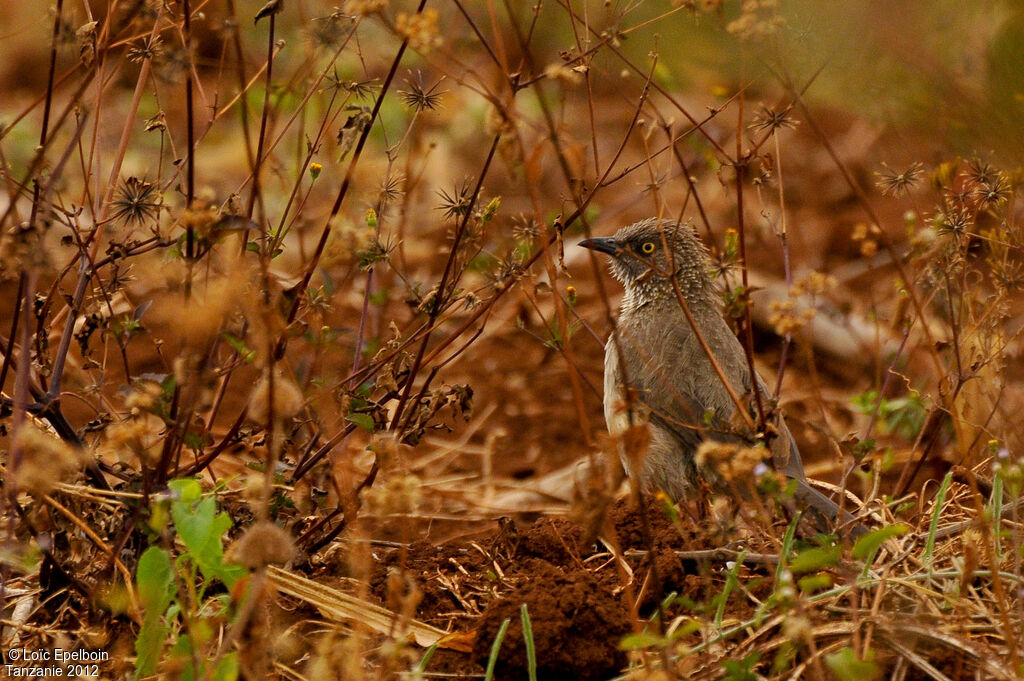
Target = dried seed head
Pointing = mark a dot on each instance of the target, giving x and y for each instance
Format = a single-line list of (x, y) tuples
[(134, 439), (347, 244), (730, 461), (400, 495), (263, 544), (45, 460), (287, 400), (364, 7), (421, 29), (203, 316), (142, 397)]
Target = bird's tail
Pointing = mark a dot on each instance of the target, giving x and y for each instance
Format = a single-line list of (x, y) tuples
[(825, 512)]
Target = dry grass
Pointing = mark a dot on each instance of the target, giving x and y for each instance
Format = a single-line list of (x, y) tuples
[(296, 286)]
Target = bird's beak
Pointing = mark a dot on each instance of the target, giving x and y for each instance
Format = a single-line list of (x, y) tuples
[(604, 244)]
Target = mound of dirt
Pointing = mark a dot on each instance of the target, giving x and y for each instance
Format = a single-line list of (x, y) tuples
[(576, 619), (576, 596)]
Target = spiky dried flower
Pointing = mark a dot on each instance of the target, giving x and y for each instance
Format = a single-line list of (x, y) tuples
[(363, 89), (379, 250), (1009, 274), (458, 202), (953, 221), (420, 98), (172, 64), (992, 194), (982, 172), (894, 183), (148, 49), (655, 183), (987, 186), (392, 187), (525, 228), (769, 120), (136, 202), (508, 272), (721, 265), (360, 89), (328, 32)]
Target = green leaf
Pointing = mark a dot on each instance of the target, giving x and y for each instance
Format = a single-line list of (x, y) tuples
[(182, 651), (364, 421), (187, 489), (492, 661), (227, 668), (159, 516), (783, 658), (867, 545), (940, 502), (811, 560), (732, 582), (155, 578), (240, 347), (421, 666), (531, 651), (149, 644), (691, 626), (201, 529), (815, 582), (742, 670), (196, 441), (645, 639), (848, 667)]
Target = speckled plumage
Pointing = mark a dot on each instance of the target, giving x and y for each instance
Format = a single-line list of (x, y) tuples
[(675, 386)]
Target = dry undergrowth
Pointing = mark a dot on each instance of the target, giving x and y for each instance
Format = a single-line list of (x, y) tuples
[(348, 332)]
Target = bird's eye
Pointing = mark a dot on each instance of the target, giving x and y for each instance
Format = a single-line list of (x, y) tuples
[(647, 247)]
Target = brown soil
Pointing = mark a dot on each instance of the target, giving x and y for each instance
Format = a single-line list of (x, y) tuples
[(576, 621), (579, 602)]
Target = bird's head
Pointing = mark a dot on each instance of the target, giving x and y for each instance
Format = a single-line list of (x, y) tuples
[(647, 254)]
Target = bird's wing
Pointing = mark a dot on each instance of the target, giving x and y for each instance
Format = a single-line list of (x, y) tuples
[(673, 379)]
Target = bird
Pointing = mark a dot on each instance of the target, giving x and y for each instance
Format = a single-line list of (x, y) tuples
[(657, 370)]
